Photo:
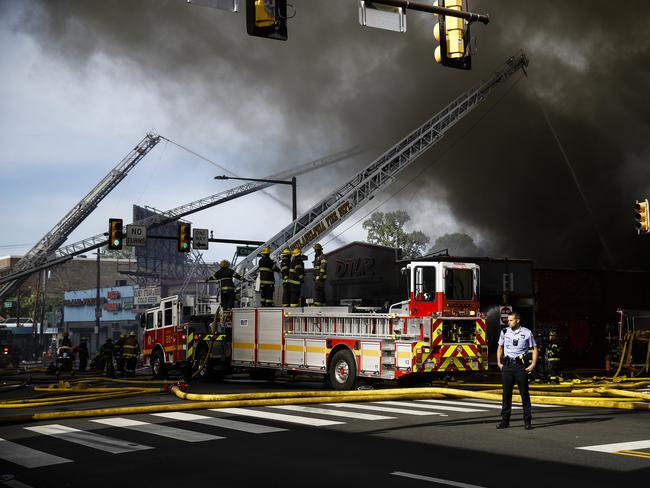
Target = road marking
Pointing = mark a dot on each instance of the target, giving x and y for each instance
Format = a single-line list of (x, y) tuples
[(295, 419), (435, 480), (640, 454), (619, 446), (218, 422), (88, 439), (15, 484), (158, 429), (333, 413), (433, 407), (377, 408), (26, 456), (468, 404)]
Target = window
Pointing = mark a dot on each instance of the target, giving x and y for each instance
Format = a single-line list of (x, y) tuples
[(459, 284), (149, 324), (159, 321), (425, 284), (168, 314)]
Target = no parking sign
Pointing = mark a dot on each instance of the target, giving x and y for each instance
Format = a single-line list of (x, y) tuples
[(505, 311)]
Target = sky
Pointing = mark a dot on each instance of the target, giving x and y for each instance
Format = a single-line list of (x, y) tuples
[(547, 168)]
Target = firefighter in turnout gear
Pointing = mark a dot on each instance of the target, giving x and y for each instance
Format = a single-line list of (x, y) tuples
[(106, 357), (320, 275), (83, 354), (296, 276), (225, 276), (552, 358), (130, 354), (267, 269), (118, 353), (285, 266)]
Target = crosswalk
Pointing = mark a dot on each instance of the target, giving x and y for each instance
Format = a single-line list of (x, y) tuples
[(219, 423)]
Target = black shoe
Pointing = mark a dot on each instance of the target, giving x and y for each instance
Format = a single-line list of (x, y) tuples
[(528, 426), (502, 425)]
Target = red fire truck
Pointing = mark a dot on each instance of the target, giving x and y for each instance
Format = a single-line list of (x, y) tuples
[(438, 329)]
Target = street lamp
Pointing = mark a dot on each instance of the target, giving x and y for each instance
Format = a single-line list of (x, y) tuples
[(292, 182)]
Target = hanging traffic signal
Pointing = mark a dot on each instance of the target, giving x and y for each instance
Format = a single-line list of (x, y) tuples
[(267, 18), (453, 35), (184, 232), (115, 234), (641, 216)]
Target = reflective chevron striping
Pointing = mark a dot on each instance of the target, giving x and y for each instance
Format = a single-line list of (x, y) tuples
[(158, 429), (26, 456), (88, 439)]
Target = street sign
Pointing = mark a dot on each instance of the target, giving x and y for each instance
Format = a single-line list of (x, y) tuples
[(146, 296), (505, 311), (136, 235), (200, 239), (243, 251)]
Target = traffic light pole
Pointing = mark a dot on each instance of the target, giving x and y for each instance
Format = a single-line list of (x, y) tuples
[(423, 7)]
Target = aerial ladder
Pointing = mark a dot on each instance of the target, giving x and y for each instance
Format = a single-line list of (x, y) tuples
[(336, 207), (46, 247)]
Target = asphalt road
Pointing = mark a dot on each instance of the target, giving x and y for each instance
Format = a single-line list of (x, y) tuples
[(412, 443)]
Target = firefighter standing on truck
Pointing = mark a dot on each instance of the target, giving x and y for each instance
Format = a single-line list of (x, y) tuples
[(225, 276), (296, 276), (320, 275), (267, 269), (285, 266), (130, 354)]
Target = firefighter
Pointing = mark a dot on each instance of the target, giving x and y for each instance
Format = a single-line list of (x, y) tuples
[(285, 266), (552, 358), (118, 353), (106, 357), (83, 354), (267, 269), (296, 276), (320, 275), (131, 353), (511, 359), (224, 275), (65, 341)]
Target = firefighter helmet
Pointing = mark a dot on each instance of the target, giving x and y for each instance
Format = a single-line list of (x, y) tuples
[(318, 247), (296, 252), (131, 334), (266, 251), (286, 251), (224, 263)]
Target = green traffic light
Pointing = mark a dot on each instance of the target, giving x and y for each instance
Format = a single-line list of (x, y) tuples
[(116, 242), (185, 245)]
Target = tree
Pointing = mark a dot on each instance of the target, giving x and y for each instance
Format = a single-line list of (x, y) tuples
[(387, 229), (457, 243)]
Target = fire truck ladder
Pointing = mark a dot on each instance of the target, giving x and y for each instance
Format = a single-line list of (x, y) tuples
[(68, 251), (60, 232), (335, 208)]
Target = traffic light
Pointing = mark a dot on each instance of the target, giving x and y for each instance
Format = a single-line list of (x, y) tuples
[(453, 35), (115, 235), (184, 232), (641, 222), (267, 18)]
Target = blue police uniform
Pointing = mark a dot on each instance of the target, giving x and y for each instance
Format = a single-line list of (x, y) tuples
[(516, 344)]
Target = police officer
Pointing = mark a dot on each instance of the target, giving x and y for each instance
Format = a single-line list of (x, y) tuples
[(320, 275), (514, 343), (285, 266), (296, 276), (131, 353), (552, 358), (224, 276), (267, 269)]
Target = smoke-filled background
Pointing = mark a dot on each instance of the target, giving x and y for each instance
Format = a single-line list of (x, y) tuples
[(547, 168)]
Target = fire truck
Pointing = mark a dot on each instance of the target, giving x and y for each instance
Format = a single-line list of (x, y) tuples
[(437, 328)]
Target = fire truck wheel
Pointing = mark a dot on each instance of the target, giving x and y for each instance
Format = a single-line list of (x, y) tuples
[(158, 366), (343, 371)]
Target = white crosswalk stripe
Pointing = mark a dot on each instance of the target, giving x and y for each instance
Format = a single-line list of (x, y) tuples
[(295, 419), (26, 456), (463, 403), (619, 446), (432, 407), (219, 422), (88, 439), (158, 429), (332, 413), (378, 408)]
